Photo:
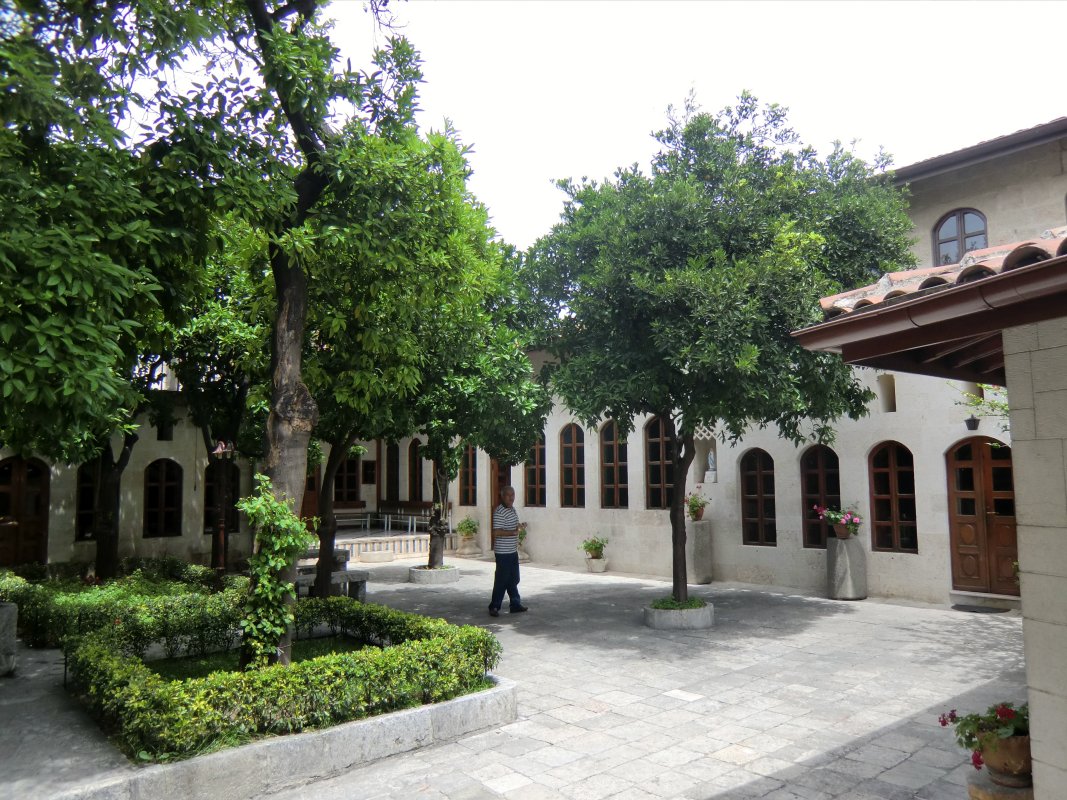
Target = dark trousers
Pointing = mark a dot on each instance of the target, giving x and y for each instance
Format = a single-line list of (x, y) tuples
[(506, 580)]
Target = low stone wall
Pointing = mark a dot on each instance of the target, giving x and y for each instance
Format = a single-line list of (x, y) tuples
[(269, 766)]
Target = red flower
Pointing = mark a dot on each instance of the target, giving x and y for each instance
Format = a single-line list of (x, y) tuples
[(976, 759), (1005, 712)]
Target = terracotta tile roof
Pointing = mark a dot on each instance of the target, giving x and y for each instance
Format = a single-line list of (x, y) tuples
[(974, 266)]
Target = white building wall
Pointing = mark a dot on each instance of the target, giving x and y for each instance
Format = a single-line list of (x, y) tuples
[(1036, 364), (1020, 195)]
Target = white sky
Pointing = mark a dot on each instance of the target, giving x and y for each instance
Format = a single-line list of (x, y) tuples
[(547, 89)]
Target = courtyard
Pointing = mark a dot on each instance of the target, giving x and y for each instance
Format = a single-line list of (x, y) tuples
[(788, 696)]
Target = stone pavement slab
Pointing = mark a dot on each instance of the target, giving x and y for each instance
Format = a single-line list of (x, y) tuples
[(787, 697)]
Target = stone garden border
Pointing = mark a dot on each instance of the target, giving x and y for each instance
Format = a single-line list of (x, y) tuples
[(268, 766)]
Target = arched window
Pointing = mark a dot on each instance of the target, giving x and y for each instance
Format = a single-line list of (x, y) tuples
[(468, 477), (88, 481), (958, 233), (757, 499), (346, 483), (162, 499), (535, 475), (659, 465), (613, 475), (893, 526), (415, 471), (820, 476), (215, 492), (572, 466)]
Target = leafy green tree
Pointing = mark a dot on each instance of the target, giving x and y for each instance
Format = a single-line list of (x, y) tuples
[(674, 293)]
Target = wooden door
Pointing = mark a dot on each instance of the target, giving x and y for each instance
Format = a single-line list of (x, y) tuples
[(24, 487), (981, 494), (501, 477), (392, 473), (310, 505)]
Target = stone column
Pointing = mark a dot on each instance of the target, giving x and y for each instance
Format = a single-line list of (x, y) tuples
[(1036, 365), (9, 613), (846, 569)]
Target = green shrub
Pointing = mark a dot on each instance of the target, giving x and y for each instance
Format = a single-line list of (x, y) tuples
[(425, 661), (670, 604), (182, 615)]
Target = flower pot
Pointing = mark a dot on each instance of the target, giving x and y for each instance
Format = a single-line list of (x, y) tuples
[(596, 564), (841, 529), (468, 546), (1008, 760), (697, 515)]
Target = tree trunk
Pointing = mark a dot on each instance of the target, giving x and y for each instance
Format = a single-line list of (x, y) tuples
[(438, 526), (108, 501), (682, 452), (324, 586)]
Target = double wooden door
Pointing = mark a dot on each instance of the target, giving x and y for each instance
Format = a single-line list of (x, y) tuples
[(981, 495), (24, 486)]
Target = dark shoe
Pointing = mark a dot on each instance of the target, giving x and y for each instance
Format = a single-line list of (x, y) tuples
[(518, 609), (494, 612)]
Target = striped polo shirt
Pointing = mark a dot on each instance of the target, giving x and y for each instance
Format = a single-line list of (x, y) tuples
[(506, 519)]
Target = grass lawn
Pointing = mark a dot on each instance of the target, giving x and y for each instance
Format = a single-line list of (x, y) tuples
[(178, 669)]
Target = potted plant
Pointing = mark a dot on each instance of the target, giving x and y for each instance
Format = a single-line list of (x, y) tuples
[(594, 553), (846, 521), (999, 738), (695, 505), (468, 531), (523, 555)]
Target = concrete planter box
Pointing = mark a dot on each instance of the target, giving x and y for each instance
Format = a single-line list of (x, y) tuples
[(846, 569), (433, 576), (9, 614), (468, 546), (682, 619), (596, 564), (274, 765)]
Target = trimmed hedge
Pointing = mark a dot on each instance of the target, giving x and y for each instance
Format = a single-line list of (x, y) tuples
[(422, 661), (184, 615)]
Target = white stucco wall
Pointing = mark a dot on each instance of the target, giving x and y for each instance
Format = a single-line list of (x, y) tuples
[(1036, 364)]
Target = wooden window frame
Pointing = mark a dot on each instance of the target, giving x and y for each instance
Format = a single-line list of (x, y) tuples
[(572, 493), (348, 482), (894, 497), (534, 490), (415, 482), (661, 483), (766, 525), (961, 237), (614, 488), (816, 530), (85, 501), (468, 477), (233, 521), (154, 525)]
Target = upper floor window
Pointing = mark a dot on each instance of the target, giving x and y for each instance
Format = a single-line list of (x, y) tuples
[(163, 498), (613, 478), (535, 475), (757, 499), (820, 475), (468, 477), (893, 525), (659, 464), (958, 233)]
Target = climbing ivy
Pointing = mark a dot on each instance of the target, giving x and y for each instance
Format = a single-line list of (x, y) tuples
[(280, 537)]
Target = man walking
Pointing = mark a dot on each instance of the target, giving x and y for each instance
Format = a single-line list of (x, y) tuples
[(505, 540)]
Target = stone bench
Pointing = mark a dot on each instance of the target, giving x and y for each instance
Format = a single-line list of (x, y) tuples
[(353, 581)]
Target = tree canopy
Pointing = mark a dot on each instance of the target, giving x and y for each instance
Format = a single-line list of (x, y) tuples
[(674, 292)]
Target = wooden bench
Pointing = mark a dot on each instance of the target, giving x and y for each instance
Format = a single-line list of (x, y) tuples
[(352, 581)]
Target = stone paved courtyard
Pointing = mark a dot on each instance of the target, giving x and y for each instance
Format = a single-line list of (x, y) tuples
[(787, 697)]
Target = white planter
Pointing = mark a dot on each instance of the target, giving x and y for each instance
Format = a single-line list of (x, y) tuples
[(433, 576), (468, 546), (596, 564), (682, 619)]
